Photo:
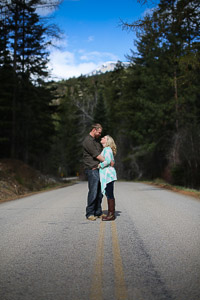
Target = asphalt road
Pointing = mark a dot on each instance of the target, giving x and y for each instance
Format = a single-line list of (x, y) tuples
[(49, 251)]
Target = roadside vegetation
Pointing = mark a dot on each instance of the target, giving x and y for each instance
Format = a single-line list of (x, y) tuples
[(17, 179), (175, 188)]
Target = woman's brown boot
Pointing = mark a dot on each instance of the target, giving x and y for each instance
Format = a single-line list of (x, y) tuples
[(111, 211)]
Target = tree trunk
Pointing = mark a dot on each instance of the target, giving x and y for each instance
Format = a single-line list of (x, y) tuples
[(13, 139), (176, 99)]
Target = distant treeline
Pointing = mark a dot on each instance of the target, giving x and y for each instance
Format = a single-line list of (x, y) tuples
[(152, 108)]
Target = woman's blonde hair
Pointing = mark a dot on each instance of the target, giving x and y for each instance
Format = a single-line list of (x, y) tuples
[(110, 143)]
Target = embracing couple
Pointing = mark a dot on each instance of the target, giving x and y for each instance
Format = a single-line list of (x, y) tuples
[(98, 160)]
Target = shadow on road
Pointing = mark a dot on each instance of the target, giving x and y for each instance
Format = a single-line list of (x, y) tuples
[(117, 213)]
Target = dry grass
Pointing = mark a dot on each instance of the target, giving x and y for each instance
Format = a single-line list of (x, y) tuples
[(18, 180), (177, 189)]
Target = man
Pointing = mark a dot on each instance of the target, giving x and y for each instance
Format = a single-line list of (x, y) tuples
[(91, 157)]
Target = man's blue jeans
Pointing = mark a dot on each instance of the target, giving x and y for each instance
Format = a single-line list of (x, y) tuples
[(94, 194)]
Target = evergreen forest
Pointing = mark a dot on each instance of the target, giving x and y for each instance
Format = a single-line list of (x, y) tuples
[(151, 108)]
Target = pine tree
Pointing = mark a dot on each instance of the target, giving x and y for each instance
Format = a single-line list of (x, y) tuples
[(27, 38), (6, 79), (66, 148), (100, 113), (165, 100)]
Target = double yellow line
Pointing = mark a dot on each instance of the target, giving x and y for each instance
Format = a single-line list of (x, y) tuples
[(97, 280)]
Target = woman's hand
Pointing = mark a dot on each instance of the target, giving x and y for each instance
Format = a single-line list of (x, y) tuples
[(100, 158), (112, 163)]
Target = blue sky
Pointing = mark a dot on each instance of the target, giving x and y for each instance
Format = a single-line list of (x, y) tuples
[(92, 35)]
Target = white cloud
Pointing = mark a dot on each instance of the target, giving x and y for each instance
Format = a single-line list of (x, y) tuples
[(65, 64), (60, 43), (98, 56), (81, 51), (47, 7), (58, 57)]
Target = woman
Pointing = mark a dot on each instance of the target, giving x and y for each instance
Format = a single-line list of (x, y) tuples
[(108, 175)]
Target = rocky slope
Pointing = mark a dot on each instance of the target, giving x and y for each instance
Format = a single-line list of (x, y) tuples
[(17, 179)]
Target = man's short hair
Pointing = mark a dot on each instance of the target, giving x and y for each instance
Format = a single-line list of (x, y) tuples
[(96, 126)]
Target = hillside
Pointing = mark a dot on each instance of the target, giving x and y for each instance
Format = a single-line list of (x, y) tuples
[(18, 179)]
